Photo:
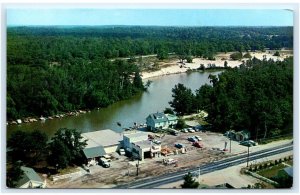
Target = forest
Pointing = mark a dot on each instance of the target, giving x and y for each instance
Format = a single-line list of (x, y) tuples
[(257, 96), (62, 68)]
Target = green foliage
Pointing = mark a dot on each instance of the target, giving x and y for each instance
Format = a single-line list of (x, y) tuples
[(13, 174), (247, 55), (66, 148), (189, 181), (236, 56), (168, 111), (54, 69), (183, 100), (276, 53), (29, 147), (180, 124), (247, 98), (225, 64), (189, 59)]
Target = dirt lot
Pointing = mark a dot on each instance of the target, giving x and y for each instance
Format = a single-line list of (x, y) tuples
[(123, 170)]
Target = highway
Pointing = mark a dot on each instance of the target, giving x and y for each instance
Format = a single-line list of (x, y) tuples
[(207, 168)]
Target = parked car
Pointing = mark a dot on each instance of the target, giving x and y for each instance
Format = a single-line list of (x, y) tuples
[(179, 145), (198, 138), (170, 161), (198, 144), (197, 128), (156, 141), (150, 137), (184, 130), (122, 152), (248, 143), (192, 139), (174, 132), (104, 162)]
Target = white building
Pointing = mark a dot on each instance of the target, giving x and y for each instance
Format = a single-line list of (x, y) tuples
[(139, 146), (100, 143)]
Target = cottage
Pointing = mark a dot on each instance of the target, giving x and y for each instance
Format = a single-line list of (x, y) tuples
[(161, 121), (157, 121), (30, 179), (172, 120)]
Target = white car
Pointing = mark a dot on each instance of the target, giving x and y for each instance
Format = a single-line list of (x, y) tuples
[(191, 130), (156, 141), (198, 138)]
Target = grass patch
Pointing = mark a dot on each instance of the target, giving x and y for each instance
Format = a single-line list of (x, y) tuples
[(266, 141), (271, 172), (67, 170)]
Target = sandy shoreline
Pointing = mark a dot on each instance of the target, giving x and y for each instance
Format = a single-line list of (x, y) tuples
[(176, 67)]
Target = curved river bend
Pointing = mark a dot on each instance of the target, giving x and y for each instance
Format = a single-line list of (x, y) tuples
[(135, 109)]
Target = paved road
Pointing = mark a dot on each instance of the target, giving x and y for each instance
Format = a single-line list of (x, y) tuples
[(207, 168)]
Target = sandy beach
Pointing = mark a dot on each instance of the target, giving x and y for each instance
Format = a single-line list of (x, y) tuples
[(175, 67)]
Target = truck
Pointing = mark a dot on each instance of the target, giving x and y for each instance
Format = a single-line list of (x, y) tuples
[(104, 163), (170, 161)]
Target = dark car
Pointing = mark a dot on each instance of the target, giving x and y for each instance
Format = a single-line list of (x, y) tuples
[(192, 139), (178, 145)]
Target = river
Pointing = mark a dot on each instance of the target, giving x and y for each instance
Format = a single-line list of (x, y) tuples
[(135, 109)]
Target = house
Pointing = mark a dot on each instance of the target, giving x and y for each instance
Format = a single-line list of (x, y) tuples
[(157, 121), (160, 121), (242, 135), (139, 146), (172, 120), (100, 143), (30, 179)]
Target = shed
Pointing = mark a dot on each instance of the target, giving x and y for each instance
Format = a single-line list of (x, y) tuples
[(242, 135), (30, 179)]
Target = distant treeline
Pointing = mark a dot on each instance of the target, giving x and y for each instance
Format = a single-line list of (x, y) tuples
[(258, 96), (57, 69), (44, 45)]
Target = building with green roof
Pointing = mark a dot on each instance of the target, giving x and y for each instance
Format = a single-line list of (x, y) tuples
[(30, 179), (160, 121)]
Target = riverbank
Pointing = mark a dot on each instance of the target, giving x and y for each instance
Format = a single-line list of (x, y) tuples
[(174, 66)]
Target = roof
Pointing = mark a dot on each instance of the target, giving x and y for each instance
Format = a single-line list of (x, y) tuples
[(171, 117), (158, 117), (143, 144), (289, 171), (94, 152), (29, 175), (103, 138), (136, 135), (191, 123)]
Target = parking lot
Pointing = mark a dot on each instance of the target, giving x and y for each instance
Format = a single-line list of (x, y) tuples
[(122, 169)]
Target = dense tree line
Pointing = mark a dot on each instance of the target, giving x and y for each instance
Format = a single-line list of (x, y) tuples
[(58, 69), (47, 90), (63, 149), (258, 96)]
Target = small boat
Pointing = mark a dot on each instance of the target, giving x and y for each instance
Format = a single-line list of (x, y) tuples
[(119, 124)]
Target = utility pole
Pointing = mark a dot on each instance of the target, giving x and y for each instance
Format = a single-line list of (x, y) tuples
[(199, 175), (229, 144), (248, 155), (137, 168)]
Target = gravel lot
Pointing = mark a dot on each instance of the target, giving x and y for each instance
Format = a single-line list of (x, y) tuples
[(123, 170)]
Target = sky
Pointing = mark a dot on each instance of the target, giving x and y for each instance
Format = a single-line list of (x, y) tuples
[(157, 17)]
